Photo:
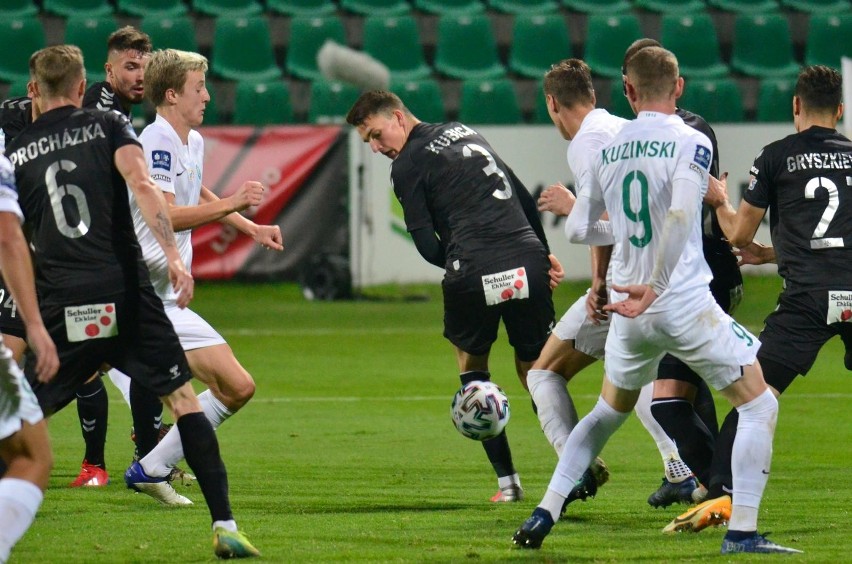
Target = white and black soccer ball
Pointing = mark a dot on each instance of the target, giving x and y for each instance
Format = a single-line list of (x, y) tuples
[(480, 410)]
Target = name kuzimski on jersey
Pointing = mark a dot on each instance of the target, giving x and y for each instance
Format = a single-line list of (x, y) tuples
[(638, 149), (447, 137), (56, 142), (830, 161)]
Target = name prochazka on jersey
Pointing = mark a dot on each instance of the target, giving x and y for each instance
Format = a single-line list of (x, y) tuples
[(58, 141)]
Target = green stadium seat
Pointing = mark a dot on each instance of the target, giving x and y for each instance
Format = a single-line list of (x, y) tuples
[(307, 35), (607, 39), (395, 41), (78, 8), (745, 6), (377, 7), (671, 6), (775, 101), (489, 102), (538, 41), (18, 8), (422, 97), (242, 49), (152, 8), (817, 6), (618, 104), (450, 7), (330, 101), (762, 46), (829, 38), (697, 59), (466, 48), (175, 32), (262, 103), (301, 7), (598, 6), (540, 114), (90, 35), (524, 6), (19, 38), (228, 8), (717, 100)]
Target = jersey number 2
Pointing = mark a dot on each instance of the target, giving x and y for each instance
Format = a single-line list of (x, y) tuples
[(57, 192), (818, 239)]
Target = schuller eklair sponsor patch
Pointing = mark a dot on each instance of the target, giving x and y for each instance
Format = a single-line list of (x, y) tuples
[(161, 159), (508, 285), (93, 321), (839, 306), (702, 156)]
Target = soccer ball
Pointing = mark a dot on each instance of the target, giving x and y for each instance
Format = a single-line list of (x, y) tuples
[(480, 410)]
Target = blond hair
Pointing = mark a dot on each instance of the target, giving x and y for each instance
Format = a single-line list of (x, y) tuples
[(167, 70), (57, 69), (654, 72)]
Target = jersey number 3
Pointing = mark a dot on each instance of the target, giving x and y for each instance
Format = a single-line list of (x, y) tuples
[(490, 169), (58, 191)]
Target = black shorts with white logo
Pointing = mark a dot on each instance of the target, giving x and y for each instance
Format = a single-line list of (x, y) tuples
[(471, 324)]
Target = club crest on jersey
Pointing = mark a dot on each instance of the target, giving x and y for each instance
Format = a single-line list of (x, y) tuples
[(161, 159), (702, 156)]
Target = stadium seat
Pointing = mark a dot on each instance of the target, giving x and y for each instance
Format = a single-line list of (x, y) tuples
[(775, 101), (598, 6), (307, 35), (301, 7), (18, 8), (466, 48), (745, 6), (176, 32), (19, 37), (697, 59), (489, 102), (422, 97), (817, 6), (540, 114), (395, 41), (829, 38), (717, 100), (330, 101), (762, 46), (671, 6), (90, 35), (618, 104), (227, 8), (152, 8), (607, 39), (524, 6), (242, 50), (538, 41), (376, 7), (262, 103), (79, 8), (450, 7)]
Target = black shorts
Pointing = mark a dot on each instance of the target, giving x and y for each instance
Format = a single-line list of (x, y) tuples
[(472, 325), (794, 333), (10, 322), (146, 348)]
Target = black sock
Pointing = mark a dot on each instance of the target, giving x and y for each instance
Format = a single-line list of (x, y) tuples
[(147, 411), (201, 450), (739, 535), (694, 442), (93, 410), (705, 407), (474, 375), (497, 449), (721, 480)]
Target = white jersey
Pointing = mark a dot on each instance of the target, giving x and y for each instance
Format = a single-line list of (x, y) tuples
[(8, 192), (176, 168), (599, 127), (634, 175)]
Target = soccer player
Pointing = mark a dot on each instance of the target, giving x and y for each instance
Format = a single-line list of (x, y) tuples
[(174, 150), (650, 179), (803, 180), (73, 168), (469, 214)]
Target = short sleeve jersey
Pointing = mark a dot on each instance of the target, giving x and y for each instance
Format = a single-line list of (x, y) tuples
[(75, 202), (101, 96), (805, 180), (448, 178), (176, 168), (15, 115), (599, 127), (636, 172)]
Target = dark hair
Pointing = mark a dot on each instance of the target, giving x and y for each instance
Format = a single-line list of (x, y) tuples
[(128, 37), (570, 82), (820, 88), (371, 103)]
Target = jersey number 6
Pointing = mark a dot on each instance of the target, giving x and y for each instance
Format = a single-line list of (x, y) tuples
[(57, 192)]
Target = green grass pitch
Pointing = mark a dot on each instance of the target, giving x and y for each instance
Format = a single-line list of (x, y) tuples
[(347, 452)]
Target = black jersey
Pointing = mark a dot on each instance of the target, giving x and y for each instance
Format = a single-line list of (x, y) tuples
[(805, 180), (449, 179), (75, 204), (101, 96), (15, 115)]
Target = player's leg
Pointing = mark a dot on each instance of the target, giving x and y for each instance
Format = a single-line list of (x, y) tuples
[(93, 412), (14, 341)]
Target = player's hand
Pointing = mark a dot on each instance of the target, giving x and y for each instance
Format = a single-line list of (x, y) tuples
[(717, 191), (639, 298), (247, 195), (556, 272), (182, 282), (47, 361), (755, 253), (270, 237), (557, 199), (596, 299)]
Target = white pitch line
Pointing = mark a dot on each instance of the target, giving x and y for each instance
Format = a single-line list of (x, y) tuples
[(326, 331)]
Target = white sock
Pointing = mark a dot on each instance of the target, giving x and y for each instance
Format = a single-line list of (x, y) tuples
[(168, 452), (584, 443), (665, 444), (556, 411), (19, 502), (751, 459), (506, 481), (229, 525), (121, 381)]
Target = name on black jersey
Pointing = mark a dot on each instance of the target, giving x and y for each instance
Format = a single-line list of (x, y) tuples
[(637, 149), (57, 141), (448, 136), (806, 161)]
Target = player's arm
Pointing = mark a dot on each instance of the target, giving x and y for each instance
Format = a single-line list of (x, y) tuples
[(267, 235), (429, 246), (598, 296), (189, 217), (739, 226), (130, 162)]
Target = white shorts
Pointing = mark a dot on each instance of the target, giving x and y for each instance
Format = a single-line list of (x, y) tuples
[(575, 325), (706, 338), (17, 401), (192, 330)]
